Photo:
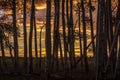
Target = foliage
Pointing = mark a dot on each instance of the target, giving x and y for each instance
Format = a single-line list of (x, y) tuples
[(7, 33)]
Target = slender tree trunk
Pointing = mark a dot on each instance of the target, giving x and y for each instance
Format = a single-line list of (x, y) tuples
[(10, 49), (61, 53), (55, 35), (80, 40), (35, 40), (40, 62), (1, 71), (48, 39), (69, 34), (15, 34), (84, 37), (101, 50), (25, 36), (2, 48), (109, 25), (57, 30), (117, 69), (30, 37), (64, 37), (108, 29), (92, 29), (72, 51), (114, 44)]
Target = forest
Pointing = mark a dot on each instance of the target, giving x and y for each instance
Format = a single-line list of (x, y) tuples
[(59, 39)]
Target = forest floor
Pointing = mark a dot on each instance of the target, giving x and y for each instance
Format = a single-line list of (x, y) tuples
[(10, 73)]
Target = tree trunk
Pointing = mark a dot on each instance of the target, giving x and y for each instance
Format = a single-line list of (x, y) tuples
[(84, 37), (69, 34), (64, 37), (25, 36), (92, 29), (80, 40), (40, 62), (101, 41), (48, 39), (30, 37), (61, 53), (15, 35), (1, 71), (35, 42), (56, 33), (2, 48), (72, 51)]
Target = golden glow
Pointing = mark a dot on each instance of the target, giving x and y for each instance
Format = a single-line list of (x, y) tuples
[(40, 7), (39, 24), (8, 12)]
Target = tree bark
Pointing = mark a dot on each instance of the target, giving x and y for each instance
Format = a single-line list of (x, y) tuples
[(48, 39), (92, 29), (30, 37), (2, 48), (64, 37), (15, 34), (35, 43), (84, 37), (80, 39), (25, 36)]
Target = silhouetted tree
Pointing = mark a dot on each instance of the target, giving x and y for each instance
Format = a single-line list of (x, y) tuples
[(71, 35), (48, 39), (25, 35), (56, 34), (35, 42), (92, 27), (64, 37), (30, 36), (80, 38), (84, 37), (15, 34)]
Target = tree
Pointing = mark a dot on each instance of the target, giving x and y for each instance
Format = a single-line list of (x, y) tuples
[(35, 35), (25, 36), (2, 45), (40, 61), (15, 34), (84, 37), (67, 40), (101, 43), (70, 33), (91, 24), (80, 40), (115, 48), (48, 39), (64, 37), (56, 37), (30, 36), (8, 29), (71, 36)]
